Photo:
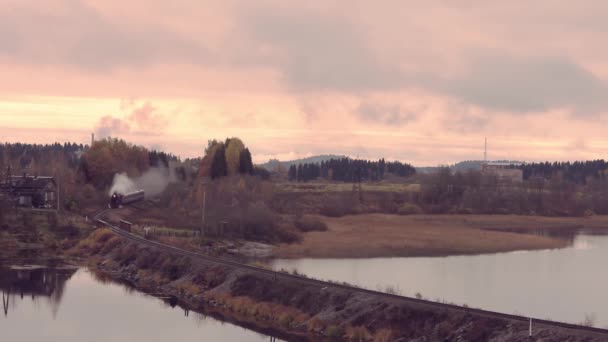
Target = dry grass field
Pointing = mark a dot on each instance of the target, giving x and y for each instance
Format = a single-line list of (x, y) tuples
[(342, 187), (379, 235)]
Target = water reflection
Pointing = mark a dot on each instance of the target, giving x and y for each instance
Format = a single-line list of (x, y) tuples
[(35, 282), (563, 284), (95, 309)]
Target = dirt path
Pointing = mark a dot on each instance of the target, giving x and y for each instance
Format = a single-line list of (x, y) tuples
[(380, 235)]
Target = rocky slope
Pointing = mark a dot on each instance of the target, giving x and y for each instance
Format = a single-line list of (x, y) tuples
[(295, 309)]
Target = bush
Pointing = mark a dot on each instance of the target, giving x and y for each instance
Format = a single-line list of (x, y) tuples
[(409, 209), (259, 222), (358, 334), (384, 335), (111, 244), (338, 207), (335, 331), (286, 235), (174, 269), (66, 231), (309, 223), (146, 259)]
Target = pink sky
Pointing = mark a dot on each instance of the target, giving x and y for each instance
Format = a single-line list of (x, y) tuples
[(418, 81)]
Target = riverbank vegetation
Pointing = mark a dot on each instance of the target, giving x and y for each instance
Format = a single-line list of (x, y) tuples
[(41, 236), (381, 235), (292, 307)]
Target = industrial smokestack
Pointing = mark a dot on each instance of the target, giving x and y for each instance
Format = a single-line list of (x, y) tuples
[(92, 139)]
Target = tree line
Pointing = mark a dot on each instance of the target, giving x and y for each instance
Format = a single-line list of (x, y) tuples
[(579, 172), (349, 170), (551, 194), (39, 157)]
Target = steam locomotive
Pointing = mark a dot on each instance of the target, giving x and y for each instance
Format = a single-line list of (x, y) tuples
[(117, 200)]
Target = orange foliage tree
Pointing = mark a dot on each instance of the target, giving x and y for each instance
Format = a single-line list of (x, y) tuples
[(110, 156)]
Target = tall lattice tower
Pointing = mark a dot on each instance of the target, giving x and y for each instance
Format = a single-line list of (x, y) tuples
[(485, 151)]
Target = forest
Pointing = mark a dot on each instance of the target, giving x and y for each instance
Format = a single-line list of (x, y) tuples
[(242, 192), (551, 193), (349, 170), (237, 191), (579, 172)]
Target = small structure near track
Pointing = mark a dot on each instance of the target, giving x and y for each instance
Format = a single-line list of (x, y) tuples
[(125, 225)]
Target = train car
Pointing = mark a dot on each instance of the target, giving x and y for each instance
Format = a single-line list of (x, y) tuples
[(125, 225), (117, 200), (133, 197)]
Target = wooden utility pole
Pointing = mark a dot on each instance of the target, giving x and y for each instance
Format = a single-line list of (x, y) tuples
[(203, 232), (204, 183), (58, 199)]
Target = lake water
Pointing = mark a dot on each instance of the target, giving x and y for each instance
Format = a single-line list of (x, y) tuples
[(566, 284), (73, 305)]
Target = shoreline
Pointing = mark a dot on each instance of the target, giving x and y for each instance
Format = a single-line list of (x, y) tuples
[(388, 236), (189, 303), (304, 310)]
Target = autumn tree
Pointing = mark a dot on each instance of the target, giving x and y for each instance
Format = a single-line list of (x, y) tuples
[(234, 147), (110, 156), (207, 161)]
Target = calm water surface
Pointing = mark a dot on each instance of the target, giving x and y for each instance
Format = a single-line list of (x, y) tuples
[(563, 284), (72, 305)]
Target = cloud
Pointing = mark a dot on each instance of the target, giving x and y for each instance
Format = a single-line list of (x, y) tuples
[(385, 114), (143, 120), (533, 84), (146, 119), (74, 34), (317, 51), (111, 126), (465, 121)]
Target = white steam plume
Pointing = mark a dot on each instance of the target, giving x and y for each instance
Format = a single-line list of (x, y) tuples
[(153, 182)]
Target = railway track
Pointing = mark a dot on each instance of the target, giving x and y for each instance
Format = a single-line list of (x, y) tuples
[(322, 283)]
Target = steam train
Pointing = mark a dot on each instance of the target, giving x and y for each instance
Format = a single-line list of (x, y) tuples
[(117, 200)]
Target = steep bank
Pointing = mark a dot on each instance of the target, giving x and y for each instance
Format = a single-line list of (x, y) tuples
[(300, 309), (383, 235)]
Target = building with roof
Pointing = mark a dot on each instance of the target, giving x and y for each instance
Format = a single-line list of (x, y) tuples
[(506, 173), (31, 191)]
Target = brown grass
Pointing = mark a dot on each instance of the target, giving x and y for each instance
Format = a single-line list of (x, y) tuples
[(380, 235), (345, 187), (286, 317), (384, 335), (358, 334)]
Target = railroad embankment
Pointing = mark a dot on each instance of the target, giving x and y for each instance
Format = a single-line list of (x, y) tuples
[(298, 308)]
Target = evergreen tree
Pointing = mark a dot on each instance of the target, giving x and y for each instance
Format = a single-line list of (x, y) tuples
[(245, 162), (293, 173), (349, 170), (300, 174), (218, 166)]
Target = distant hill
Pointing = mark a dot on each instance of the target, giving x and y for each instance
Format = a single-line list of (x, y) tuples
[(272, 164), (464, 165)]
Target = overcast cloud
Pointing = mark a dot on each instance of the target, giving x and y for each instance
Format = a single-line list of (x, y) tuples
[(389, 75)]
